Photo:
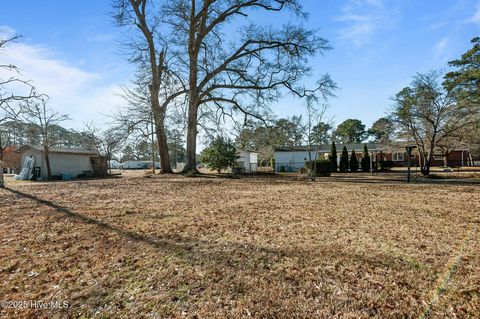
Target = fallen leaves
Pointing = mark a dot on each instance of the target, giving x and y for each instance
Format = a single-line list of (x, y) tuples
[(202, 247)]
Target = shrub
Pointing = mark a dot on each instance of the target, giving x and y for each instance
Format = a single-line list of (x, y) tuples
[(220, 154), (353, 162), (386, 165), (323, 167), (272, 163), (333, 157), (282, 169), (344, 160), (365, 159)]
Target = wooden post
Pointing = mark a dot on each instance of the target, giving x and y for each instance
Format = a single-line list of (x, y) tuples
[(2, 182)]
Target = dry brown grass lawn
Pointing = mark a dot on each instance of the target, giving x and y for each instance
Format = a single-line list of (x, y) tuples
[(172, 246)]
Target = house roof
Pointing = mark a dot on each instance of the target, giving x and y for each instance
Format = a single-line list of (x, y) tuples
[(326, 148), (138, 162), (63, 150), (239, 150)]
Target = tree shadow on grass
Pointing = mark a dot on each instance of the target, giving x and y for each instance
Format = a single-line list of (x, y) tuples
[(240, 256), (190, 249), (397, 179)]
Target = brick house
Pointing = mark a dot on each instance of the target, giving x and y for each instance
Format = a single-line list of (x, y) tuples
[(294, 158), (11, 160), (457, 157)]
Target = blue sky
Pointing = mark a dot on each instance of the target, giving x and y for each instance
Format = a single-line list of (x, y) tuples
[(70, 49)]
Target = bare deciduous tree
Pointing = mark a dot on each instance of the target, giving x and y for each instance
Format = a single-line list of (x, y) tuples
[(245, 74), (431, 116), (106, 142), (149, 52), (314, 117), (35, 111), (9, 100)]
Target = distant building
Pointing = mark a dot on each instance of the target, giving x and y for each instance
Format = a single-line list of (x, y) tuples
[(291, 159), (139, 165), (247, 162), (11, 160), (114, 164), (63, 161), (398, 156)]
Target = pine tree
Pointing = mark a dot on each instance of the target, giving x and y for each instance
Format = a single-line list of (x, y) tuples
[(344, 160), (353, 162), (365, 159), (333, 157)]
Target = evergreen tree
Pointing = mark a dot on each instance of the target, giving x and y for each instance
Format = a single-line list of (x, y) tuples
[(365, 159), (353, 162), (272, 163), (350, 131), (333, 157), (344, 160), (220, 154)]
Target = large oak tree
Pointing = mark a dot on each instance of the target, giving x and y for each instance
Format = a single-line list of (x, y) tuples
[(244, 71), (148, 50)]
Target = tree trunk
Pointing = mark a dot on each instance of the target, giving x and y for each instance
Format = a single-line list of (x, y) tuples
[(165, 164), (2, 183), (420, 160), (193, 98), (426, 164), (47, 162), (191, 160)]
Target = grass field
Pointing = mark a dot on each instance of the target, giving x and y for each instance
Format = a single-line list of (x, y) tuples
[(171, 246)]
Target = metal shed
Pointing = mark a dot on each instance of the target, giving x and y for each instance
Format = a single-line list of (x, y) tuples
[(63, 161)]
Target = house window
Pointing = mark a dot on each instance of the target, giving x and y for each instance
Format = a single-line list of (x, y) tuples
[(397, 157), (438, 157)]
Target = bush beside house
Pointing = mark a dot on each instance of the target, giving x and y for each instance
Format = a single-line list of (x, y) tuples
[(322, 167)]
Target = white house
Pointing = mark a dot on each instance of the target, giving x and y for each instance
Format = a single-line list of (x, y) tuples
[(247, 162), (139, 164), (294, 158), (114, 164), (63, 161)]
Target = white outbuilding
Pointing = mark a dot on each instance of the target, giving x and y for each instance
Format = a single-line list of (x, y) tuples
[(139, 165), (67, 162), (293, 158), (247, 162)]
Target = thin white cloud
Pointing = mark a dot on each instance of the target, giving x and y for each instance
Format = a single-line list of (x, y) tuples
[(476, 16), (376, 3), (440, 50), (362, 18), (82, 94), (52, 76)]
